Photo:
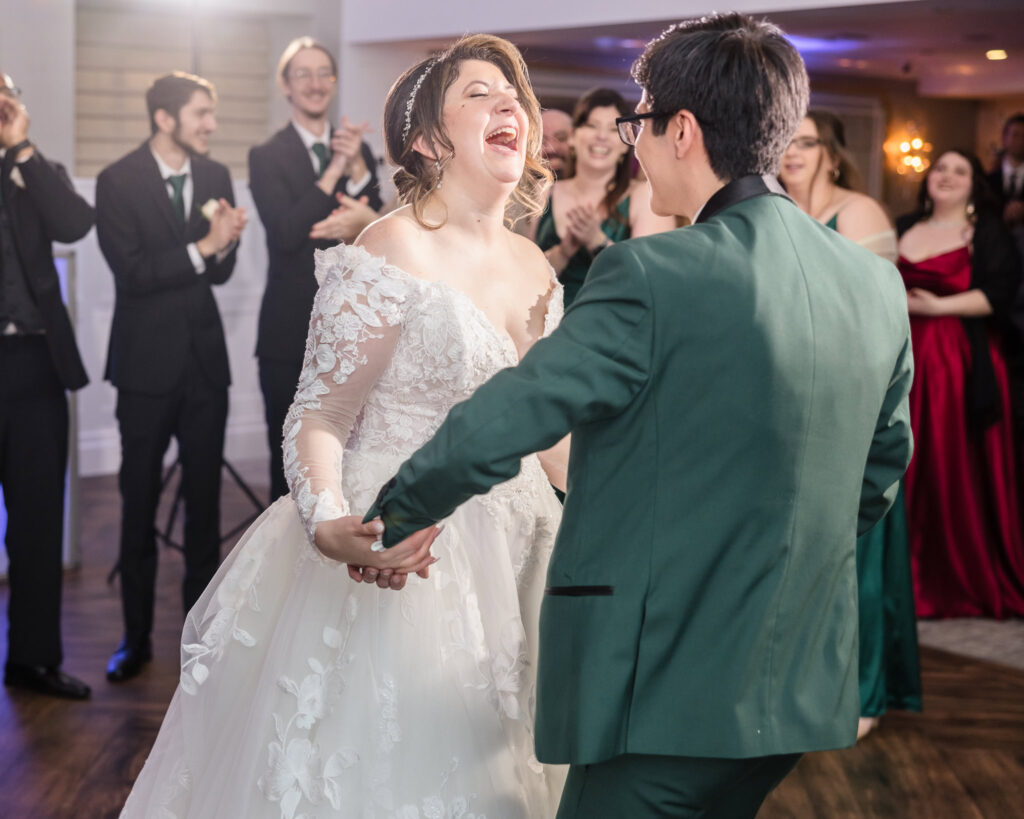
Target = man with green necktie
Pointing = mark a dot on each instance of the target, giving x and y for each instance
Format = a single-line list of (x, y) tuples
[(736, 392), (168, 228)]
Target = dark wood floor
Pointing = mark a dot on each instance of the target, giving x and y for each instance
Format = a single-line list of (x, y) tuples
[(962, 759)]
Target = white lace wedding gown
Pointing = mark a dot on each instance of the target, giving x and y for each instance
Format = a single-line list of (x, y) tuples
[(304, 694)]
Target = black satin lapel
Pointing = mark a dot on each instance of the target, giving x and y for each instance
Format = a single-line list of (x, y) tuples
[(746, 187)]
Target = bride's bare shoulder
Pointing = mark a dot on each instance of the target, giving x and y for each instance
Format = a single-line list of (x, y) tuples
[(529, 258), (395, 237)]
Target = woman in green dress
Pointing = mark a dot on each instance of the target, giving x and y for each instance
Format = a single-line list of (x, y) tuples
[(819, 175), (599, 202)]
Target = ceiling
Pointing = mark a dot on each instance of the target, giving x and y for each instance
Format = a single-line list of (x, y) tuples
[(939, 43)]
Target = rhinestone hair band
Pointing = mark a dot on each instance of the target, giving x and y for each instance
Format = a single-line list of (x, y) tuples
[(412, 100)]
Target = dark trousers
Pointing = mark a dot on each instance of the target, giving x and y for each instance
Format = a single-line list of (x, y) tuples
[(33, 462), (278, 380), (195, 413), (641, 786)]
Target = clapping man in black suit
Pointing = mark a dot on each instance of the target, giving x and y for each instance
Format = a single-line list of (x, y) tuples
[(168, 228), (314, 186), (39, 360)]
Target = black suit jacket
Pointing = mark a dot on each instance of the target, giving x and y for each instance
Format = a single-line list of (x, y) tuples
[(995, 181), (289, 203), (164, 312), (45, 211)]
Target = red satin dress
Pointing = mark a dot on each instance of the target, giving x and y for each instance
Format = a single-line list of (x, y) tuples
[(966, 541)]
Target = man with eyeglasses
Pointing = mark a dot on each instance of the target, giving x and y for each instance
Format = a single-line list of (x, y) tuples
[(39, 360), (737, 393), (314, 186)]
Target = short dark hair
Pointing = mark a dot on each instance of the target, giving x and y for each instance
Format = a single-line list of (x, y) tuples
[(743, 81), (172, 92), (294, 47), (1015, 119)]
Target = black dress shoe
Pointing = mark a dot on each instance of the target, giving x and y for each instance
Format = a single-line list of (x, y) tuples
[(45, 679), (127, 662)]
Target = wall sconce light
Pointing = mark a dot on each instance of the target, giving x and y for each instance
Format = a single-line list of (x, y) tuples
[(908, 151)]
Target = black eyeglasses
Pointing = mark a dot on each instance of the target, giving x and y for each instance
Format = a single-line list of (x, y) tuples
[(631, 126)]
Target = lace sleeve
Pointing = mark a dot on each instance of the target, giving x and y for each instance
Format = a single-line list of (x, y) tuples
[(353, 330)]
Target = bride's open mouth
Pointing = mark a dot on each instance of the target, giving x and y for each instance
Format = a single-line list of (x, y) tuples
[(505, 139)]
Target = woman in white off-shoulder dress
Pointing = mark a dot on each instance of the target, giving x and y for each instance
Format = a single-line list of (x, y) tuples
[(303, 693)]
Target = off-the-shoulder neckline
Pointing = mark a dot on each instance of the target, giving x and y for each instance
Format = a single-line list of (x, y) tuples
[(501, 335)]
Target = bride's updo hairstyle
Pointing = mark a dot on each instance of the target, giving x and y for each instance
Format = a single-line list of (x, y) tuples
[(415, 108)]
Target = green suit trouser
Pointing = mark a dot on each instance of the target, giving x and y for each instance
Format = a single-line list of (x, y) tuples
[(639, 786)]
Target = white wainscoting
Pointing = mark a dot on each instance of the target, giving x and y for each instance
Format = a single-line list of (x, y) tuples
[(239, 302)]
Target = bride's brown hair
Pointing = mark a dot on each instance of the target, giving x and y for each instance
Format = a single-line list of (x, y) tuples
[(416, 100)]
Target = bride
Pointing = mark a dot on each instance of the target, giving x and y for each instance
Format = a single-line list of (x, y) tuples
[(303, 694)]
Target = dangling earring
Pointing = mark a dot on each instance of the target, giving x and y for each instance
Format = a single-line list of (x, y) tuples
[(970, 211), (437, 163)]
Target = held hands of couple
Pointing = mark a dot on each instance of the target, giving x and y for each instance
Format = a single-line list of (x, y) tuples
[(349, 540), (346, 221), (226, 226)]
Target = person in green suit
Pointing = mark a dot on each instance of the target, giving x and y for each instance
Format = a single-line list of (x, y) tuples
[(736, 392)]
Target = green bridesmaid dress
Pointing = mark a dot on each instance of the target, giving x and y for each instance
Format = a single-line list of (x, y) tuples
[(575, 272), (890, 671)]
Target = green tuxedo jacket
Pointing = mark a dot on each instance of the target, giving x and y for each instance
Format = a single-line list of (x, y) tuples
[(737, 395)]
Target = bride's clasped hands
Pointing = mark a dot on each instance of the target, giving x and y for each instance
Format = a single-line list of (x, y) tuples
[(348, 540)]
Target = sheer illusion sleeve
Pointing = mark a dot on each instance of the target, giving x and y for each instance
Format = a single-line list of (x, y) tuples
[(353, 331)]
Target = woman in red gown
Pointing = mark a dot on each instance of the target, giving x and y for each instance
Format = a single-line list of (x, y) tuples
[(961, 270)]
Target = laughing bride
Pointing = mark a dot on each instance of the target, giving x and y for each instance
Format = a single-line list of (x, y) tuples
[(302, 693)]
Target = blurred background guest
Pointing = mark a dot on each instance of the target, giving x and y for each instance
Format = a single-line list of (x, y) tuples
[(820, 176), (314, 186), (168, 228), (39, 360), (598, 202), (1007, 179), (961, 269), (556, 128)]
